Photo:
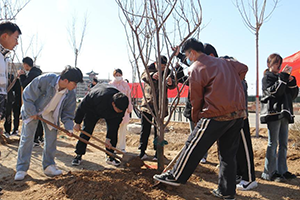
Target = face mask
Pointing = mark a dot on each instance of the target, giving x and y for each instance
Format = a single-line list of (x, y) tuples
[(119, 78), (189, 62)]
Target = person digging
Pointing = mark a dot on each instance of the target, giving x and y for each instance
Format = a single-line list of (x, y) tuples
[(102, 101)]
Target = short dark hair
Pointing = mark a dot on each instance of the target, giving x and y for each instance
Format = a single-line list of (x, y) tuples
[(96, 80), (117, 71), (210, 49), (163, 60), (72, 74), (121, 101), (9, 28), (192, 44), (28, 61)]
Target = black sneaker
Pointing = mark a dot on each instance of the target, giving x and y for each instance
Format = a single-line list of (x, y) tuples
[(217, 193), (6, 135), (36, 143), (41, 141), (113, 161), (15, 133), (278, 178), (289, 175), (77, 160), (238, 179), (166, 178)]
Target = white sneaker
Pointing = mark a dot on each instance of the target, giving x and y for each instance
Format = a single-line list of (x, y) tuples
[(20, 175), (245, 185), (52, 170), (203, 160)]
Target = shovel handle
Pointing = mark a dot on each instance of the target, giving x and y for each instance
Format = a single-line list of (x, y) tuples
[(91, 136), (79, 138), (172, 161)]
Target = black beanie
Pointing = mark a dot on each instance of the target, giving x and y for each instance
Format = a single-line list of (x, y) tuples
[(121, 101)]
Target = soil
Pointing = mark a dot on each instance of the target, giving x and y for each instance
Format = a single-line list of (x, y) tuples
[(94, 179)]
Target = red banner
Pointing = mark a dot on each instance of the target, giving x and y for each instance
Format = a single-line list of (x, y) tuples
[(293, 61), (136, 91)]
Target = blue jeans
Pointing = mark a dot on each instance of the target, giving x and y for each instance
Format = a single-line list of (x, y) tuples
[(26, 145), (277, 134)]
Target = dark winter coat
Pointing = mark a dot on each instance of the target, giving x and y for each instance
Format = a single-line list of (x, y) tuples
[(25, 80), (98, 104), (278, 96)]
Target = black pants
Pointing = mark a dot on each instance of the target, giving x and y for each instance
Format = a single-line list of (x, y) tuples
[(145, 132), (39, 132), (244, 156), (200, 140), (89, 124), (15, 108)]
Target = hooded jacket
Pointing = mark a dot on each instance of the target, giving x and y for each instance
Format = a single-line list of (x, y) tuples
[(278, 96)]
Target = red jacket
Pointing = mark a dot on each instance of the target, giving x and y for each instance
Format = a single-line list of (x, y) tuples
[(215, 87)]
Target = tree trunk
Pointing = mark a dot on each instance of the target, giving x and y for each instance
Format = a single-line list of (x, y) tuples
[(160, 148), (257, 83)]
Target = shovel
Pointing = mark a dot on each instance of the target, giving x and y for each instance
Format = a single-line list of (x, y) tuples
[(79, 138), (130, 158), (126, 156)]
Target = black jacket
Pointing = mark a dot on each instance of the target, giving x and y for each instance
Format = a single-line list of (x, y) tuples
[(25, 80), (98, 104), (181, 78), (278, 96), (14, 95)]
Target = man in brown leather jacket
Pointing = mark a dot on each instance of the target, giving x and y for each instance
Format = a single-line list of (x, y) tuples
[(218, 108)]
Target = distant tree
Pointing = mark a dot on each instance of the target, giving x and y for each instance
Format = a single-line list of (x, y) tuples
[(9, 9), (257, 8), (150, 26), (73, 36)]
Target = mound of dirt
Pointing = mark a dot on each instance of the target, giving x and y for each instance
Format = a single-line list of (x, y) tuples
[(95, 179)]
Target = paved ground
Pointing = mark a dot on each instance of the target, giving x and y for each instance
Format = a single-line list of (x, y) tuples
[(252, 119)]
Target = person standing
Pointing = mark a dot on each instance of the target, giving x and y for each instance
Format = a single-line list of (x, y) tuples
[(148, 102), (93, 83), (9, 35), (52, 97), (13, 104), (33, 72), (102, 101), (217, 118), (279, 91), (208, 50), (123, 87)]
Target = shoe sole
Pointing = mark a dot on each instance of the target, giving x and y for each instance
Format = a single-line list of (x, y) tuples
[(218, 195), (76, 164), (242, 188), (116, 165), (166, 182), (51, 175)]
